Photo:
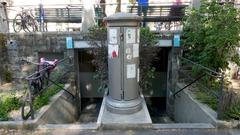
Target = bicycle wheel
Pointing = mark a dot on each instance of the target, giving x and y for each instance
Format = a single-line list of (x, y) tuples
[(30, 25), (27, 109), (17, 23)]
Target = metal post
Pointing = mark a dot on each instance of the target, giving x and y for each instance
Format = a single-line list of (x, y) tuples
[(220, 99), (41, 17)]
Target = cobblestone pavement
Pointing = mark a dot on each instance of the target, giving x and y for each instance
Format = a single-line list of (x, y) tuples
[(122, 132)]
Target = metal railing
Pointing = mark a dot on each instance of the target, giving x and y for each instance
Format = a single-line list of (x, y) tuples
[(44, 77), (44, 13), (202, 79)]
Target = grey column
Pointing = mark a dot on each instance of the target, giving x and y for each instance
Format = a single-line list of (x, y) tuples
[(123, 63)]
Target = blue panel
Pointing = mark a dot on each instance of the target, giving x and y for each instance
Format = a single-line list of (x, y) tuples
[(69, 42), (176, 40)]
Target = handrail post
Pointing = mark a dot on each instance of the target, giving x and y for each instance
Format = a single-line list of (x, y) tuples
[(220, 109), (41, 18)]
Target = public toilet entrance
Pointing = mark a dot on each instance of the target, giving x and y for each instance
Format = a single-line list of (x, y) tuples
[(91, 98), (156, 96)]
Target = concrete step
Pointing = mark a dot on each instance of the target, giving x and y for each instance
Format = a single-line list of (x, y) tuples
[(73, 126), (95, 126), (183, 126)]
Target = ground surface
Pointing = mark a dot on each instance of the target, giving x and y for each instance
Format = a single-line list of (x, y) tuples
[(236, 85), (123, 132), (12, 87), (90, 110)]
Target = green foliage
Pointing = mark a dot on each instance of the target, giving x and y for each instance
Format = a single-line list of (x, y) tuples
[(97, 37), (147, 52), (43, 99), (146, 81), (147, 38), (7, 104), (233, 112), (96, 34), (206, 98), (211, 35), (210, 38)]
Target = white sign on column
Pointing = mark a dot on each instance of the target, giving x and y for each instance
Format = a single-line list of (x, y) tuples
[(130, 35), (112, 36), (131, 71)]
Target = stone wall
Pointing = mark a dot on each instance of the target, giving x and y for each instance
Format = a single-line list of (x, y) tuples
[(189, 110), (32, 46), (4, 71)]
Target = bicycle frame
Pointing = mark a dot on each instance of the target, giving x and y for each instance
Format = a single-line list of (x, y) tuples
[(28, 23)]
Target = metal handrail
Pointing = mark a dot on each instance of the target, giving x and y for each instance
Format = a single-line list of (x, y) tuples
[(198, 78), (194, 63), (36, 88)]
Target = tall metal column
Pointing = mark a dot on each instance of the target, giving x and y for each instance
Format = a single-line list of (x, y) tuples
[(123, 62)]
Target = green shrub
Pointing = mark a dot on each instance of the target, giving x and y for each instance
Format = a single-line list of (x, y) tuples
[(3, 112), (211, 35), (43, 98), (233, 112), (7, 104), (206, 98)]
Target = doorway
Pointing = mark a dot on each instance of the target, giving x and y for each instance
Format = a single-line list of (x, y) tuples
[(156, 96)]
